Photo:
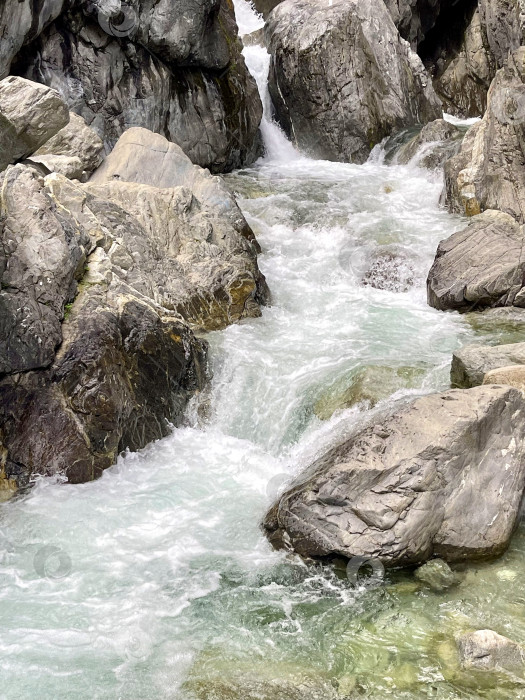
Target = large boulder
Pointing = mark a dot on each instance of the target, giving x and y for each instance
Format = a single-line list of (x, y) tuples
[(482, 265), (30, 114), (76, 140), (443, 476), (112, 366), (472, 363), (174, 68), (489, 171), (341, 77)]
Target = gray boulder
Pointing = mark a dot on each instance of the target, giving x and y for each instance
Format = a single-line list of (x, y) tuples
[(486, 650), (434, 145), (471, 364), (489, 171), (30, 114), (174, 68), (442, 477), (341, 77), (482, 265), (76, 140)]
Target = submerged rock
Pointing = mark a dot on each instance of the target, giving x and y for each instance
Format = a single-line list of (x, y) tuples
[(341, 77), (471, 363), (367, 385), (438, 575), (482, 265), (487, 650), (408, 488), (502, 325), (30, 114)]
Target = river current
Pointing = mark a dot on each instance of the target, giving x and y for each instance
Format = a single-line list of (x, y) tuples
[(156, 582)]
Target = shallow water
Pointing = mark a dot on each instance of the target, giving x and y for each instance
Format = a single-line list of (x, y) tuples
[(156, 581)]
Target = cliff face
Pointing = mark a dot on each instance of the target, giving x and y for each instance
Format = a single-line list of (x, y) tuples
[(173, 67)]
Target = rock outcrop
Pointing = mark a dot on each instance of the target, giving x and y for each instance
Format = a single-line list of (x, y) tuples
[(486, 650), (30, 114), (442, 477), (176, 69), (464, 83), (482, 265), (102, 285), (92, 363), (472, 363), (489, 171), (341, 77)]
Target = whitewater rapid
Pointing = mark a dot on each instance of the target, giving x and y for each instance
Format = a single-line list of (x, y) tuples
[(158, 573)]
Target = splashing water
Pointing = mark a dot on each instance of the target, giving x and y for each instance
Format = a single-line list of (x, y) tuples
[(156, 581)]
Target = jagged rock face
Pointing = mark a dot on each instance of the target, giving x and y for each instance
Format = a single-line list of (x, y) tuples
[(407, 488), (341, 78), (503, 22), (21, 23), (489, 171), (172, 67), (482, 265), (464, 84)]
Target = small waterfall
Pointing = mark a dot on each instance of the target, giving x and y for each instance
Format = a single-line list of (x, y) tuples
[(277, 146)]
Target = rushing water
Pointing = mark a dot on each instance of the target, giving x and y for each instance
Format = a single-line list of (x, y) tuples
[(155, 582)]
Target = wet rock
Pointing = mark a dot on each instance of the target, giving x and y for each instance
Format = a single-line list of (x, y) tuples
[(367, 385), (503, 23), (438, 575), (407, 488), (76, 140), (256, 38), (176, 69), (473, 362), (30, 114), (487, 650), (500, 326), (339, 83), (514, 375), (482, 265), (489, 171), (436, 143)]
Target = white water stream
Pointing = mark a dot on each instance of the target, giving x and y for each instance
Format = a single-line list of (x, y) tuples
[(155, 582)]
